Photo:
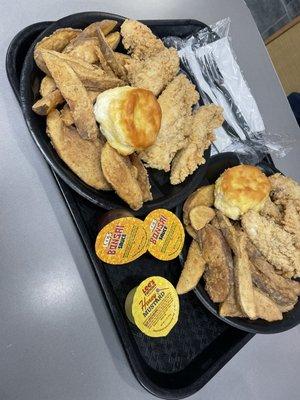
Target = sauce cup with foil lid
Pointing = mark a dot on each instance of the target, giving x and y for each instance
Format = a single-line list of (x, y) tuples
[(121, 239), (153, 306), (166, 234)]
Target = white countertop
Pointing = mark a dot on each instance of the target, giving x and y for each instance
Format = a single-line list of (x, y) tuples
[(57, 340)]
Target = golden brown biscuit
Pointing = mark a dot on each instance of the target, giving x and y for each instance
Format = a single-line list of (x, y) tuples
[(240, 189), (129, 118)]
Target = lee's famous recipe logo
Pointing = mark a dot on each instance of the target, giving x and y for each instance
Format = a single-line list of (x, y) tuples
[(114, 240), (158, 228), (147, 304)]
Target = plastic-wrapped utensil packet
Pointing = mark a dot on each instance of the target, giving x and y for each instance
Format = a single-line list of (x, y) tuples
[(210, 61)]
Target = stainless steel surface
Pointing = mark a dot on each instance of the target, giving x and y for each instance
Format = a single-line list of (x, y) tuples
[(57, 340)]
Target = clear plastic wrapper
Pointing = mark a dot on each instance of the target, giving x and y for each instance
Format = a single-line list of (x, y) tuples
[(209, 60)]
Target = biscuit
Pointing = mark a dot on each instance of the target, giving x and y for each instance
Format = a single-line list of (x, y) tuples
[(129, 118), (240, 189)]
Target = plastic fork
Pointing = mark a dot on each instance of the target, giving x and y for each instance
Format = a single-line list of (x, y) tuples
[(216, 78)]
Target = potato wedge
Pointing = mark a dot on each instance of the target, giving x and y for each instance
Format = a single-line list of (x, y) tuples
[(103, 63), (229, 232), (66, 115), (191, 231), (109, 55), (204, 196), (50, 101), (117, 170), (57, 41), (74, 93), (92, 77), (285, 301), (93, 94), (230, 307), (122, 58), (85, 49), (82, 156), (266, 308), (200, 216), (142, 177), (47, 103), (193, 269), (243, 280), (47, 86), (113, 39), (106, 26), (218, 272)]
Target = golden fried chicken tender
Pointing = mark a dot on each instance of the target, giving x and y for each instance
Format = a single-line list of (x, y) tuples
[(154, 73), (176, 103), (271, 210), (82, 156), (139, 40), (275, 244), (284, 188), (203, 122), (291, 221), (117, 170)]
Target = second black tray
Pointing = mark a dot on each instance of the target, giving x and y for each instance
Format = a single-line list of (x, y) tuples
[(181, 363)]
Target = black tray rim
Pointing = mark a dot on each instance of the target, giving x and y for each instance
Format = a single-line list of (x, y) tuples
[(89, 193), (67, 195)]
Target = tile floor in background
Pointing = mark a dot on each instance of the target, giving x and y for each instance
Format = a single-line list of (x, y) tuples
[(271, 15)]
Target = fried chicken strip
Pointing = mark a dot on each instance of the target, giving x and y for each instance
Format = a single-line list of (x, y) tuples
[(139, 40), (276, 245), (186, 161), (271, 210), (155, 72), (176, 103), (152, 65), (284, 188), (291, 221)]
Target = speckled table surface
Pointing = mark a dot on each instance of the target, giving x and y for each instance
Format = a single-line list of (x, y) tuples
[(57, 340)]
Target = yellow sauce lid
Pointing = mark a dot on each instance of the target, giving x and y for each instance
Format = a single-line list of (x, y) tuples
[(122, 241), (155, 306), (166, 234)]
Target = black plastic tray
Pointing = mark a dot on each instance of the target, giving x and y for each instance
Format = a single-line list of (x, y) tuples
[(199, 345), (164, 194)]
